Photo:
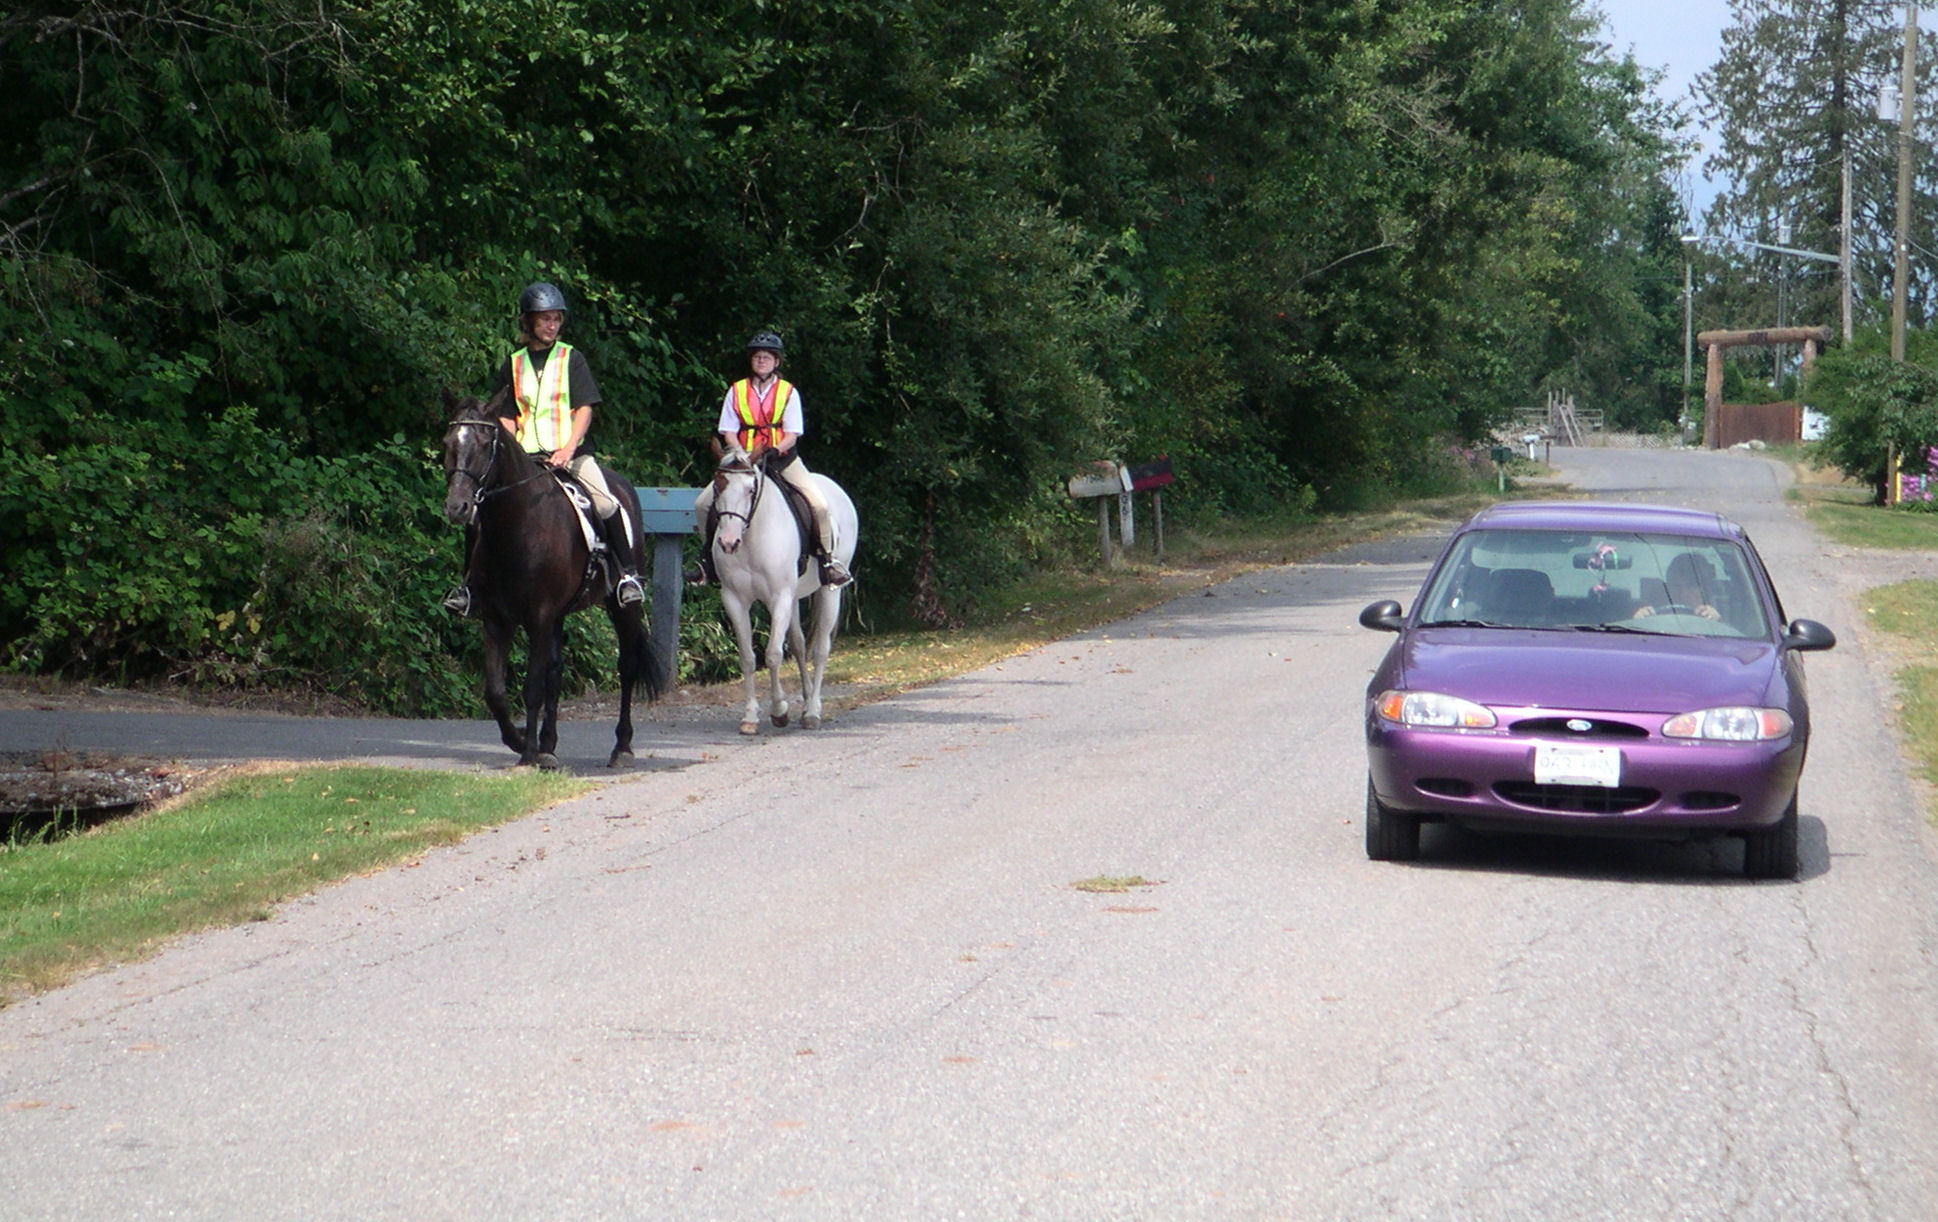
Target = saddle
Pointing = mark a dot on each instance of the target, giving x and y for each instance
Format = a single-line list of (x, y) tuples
[(575, 491), (796, 504), (803, 522), (599, 558)]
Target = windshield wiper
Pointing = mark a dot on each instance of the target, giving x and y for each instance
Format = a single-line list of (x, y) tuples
[(1620, 628), (1463, 623)]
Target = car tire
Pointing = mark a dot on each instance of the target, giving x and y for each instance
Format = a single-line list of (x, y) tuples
[(1390, 836), (1772, 853)]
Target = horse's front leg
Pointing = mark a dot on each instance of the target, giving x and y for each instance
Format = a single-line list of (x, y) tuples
[(780, 613), (740, 615), (497, 650), (543, 675)]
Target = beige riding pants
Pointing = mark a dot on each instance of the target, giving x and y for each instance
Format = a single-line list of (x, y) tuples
[(603, 502)]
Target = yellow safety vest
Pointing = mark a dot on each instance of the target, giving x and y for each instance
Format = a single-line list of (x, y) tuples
[(544, 398), (760, 420)]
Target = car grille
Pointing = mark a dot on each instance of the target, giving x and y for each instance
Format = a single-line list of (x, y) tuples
[(1577, 799), (1703, 799), (1558, 727)]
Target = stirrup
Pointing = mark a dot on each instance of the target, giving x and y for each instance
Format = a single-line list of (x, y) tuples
[(629, 591), (834, 573), (697, 575), (458, 601)]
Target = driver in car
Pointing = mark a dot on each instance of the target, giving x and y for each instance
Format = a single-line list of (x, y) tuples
[(1686, 579)]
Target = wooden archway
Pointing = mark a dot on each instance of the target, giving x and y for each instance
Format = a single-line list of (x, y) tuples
[(1713, 344)]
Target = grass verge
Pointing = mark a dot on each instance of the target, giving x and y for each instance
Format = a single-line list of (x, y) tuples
[(228, 854), (1904, 613), (1873, 526)]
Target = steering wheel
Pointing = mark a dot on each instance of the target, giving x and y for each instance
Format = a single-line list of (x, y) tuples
[(1677, 609)]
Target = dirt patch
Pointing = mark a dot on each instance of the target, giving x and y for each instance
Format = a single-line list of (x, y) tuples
[(87, 784)]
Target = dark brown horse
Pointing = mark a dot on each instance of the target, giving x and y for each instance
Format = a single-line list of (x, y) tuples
[(531, 568)]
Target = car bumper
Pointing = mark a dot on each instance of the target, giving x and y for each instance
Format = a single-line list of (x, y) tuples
[(1666, 787)]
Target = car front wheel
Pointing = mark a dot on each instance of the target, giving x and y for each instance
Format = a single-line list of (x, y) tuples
[(1390, 836), (1773, 853)]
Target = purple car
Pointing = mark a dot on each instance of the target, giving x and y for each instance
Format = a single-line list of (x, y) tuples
[(1608, 670)]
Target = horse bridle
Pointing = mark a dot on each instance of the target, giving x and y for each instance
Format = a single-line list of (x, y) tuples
[(753, 505), (480, 493)]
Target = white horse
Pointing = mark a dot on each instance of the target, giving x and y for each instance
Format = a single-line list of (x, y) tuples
[(758, 554)]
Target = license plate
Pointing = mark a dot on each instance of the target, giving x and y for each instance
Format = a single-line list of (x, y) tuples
[(1571, 765)]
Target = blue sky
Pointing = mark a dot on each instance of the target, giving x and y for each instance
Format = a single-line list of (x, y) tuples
[(1681, 37)]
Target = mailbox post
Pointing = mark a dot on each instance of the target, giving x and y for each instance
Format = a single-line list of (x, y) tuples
[(1152, 476), (1109, 479), (1501, 455), (667, 515)]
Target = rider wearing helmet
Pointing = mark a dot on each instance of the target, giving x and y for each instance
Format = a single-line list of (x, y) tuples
[(761, 416), (554, 394)]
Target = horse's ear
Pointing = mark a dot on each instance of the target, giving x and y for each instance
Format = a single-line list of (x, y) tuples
[(450, 399), (719, 451)]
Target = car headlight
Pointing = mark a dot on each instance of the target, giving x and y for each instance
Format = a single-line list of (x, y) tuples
[(1739, 724), (1433, 709)]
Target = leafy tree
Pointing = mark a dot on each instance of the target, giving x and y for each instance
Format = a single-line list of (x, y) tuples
[(1877, 407)]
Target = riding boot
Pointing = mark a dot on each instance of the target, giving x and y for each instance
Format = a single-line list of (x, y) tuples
[(700, 572), (833, 572), (628, 589)]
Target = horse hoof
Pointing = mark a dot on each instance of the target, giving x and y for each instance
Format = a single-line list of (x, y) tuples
[(810, 722), (620, 758), (780, 719), (750, 727)]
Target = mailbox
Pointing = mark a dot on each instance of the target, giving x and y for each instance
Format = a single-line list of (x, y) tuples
[(1154, 474), (1110, 480)]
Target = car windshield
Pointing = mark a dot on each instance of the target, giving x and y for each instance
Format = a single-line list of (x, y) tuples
[(1618, 582)]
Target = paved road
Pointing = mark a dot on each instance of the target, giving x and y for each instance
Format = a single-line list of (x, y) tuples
[(845, 975)]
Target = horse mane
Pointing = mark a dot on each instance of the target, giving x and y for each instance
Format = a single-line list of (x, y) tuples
[(470, 407)]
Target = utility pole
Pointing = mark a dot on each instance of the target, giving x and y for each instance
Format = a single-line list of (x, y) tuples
[(1688, 331), (1907, 107), (1907, 104), (1844, 244)]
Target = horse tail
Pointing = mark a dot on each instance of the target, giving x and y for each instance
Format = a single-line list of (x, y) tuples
[(636, 640)]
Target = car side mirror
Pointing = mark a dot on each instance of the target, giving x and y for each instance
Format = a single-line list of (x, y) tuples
[(1804, 634), (1385, 616)]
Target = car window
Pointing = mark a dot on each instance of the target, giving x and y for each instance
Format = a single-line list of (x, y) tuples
[(1670, 584)]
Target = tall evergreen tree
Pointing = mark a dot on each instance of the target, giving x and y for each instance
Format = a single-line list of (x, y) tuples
[(1793, 91)]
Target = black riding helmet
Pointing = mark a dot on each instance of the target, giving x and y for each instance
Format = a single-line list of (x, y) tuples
[(766, 341), (540, 297)]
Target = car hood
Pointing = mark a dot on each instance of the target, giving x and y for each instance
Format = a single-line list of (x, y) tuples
[(1589, 671)]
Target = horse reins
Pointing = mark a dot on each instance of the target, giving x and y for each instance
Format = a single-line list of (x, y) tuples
[(482, 493), (753, 506)]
